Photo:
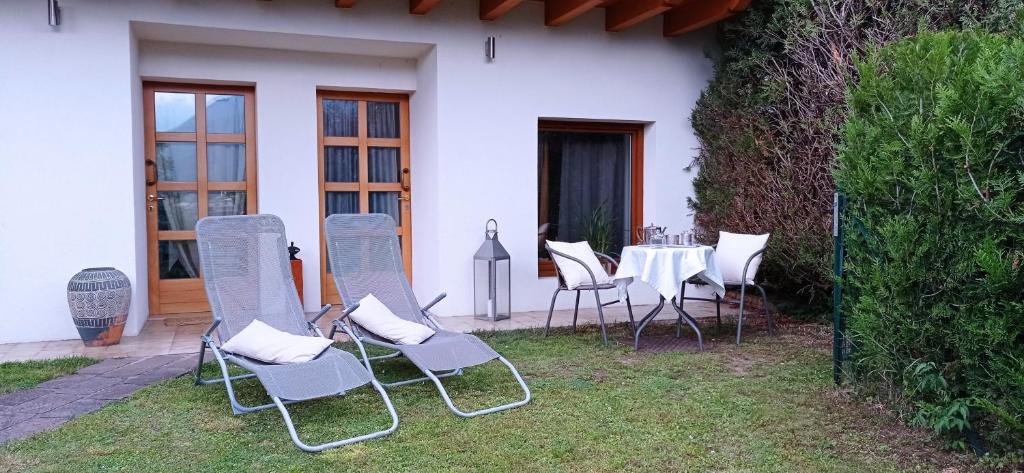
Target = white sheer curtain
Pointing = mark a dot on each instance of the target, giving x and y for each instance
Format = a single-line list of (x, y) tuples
[(179, 213), (225, 162)]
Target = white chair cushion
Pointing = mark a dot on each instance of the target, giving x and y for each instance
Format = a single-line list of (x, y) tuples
[(732, 253), (574, 274), (260, 341), (374, 316)]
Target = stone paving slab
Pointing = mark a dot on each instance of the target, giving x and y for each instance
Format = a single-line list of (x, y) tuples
[(106, 365), (50, 404)]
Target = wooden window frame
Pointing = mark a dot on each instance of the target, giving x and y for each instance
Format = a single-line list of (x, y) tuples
[(636, 130)]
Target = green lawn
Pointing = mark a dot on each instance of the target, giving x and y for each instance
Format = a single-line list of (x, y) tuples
[(766, 406), (27, 374)]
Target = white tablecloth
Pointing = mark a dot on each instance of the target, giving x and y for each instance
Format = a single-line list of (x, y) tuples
[(665, 268)]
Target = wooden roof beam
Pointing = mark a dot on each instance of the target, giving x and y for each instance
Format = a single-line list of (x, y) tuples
[(559, 12), (421, 7), (491, 10), (698, 14), (624, 14), (344, 3)]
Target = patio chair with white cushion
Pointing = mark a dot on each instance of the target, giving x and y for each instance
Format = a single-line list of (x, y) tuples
[(249, 283), (579, 268), (366, 260), (738, 257)]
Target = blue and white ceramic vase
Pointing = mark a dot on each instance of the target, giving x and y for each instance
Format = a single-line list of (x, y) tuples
[(99, 299)]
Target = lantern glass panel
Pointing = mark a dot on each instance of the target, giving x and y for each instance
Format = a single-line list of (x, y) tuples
[(491, 290)]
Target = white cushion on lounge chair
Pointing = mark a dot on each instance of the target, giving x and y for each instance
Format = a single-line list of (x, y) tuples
[(732, 253), (260, 341), (574, 274), (374, 316)]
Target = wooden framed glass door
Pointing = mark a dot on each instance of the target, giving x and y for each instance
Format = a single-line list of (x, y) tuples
[(200, 160), (363, 148)]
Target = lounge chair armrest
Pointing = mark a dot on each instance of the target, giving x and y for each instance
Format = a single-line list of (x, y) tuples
[(430, 317), (348, 310), (747, 264), (343, 324), (213, 326), (323, 311), (434, 302), (593, 279), (359, 344)]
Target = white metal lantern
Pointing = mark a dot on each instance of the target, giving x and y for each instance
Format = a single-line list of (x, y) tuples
[(492, 281)]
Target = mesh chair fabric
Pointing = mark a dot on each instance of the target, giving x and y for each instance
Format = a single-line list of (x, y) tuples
[(333, 372), (367, 259), (244, 264)]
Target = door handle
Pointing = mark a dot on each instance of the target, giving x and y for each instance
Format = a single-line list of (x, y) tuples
[(405, 179), (153, 198), (404, 197), (150, 172)]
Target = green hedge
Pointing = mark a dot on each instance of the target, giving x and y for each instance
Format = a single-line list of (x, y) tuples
[(932, 163), (769, 121)]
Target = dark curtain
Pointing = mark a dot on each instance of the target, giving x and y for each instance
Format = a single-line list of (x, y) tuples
[(589, 171), (341, 117), (382, 119)]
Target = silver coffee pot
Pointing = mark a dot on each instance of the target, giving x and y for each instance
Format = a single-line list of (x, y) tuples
[(651, 234)]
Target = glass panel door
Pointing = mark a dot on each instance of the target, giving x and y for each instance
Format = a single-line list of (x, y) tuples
[(200, 161), (364, 164)]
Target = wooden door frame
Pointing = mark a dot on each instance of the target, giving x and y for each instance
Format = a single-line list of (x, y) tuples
[(405, 158), (149, 88)]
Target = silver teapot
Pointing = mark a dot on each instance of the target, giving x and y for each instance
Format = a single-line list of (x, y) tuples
[(651, 235)]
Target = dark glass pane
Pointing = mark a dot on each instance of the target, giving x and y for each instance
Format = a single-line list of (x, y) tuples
[(341, 164), (584, 185), (176, 161), (225, 162), (386, 203), (382, 119), (341, 203), (341, 117), (179, 259), (383, 164), (177, 210), (175, 112), (225, 114), (222, 203)]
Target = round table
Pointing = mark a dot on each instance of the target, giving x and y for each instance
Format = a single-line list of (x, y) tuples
[(666, 268)]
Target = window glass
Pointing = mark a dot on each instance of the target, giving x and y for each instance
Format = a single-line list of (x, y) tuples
[(382, 119), (584, 189), (225, 114), (341, 117), (225, 162), (175, 112)]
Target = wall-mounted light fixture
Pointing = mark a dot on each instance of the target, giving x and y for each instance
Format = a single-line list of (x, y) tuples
[(490, 48), (53, 12)]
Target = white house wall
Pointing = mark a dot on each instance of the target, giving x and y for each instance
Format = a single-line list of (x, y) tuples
[(71, 193)]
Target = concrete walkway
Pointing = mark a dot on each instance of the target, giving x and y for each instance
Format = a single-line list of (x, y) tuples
[(49, 405), (180, 335)]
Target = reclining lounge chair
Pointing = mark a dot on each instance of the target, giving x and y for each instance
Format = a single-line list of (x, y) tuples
[(366, 259), (247, 278)]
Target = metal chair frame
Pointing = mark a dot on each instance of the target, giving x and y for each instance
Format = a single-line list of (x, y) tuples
[(742, 286), (596, 288), (355, 334), (224, 358)]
